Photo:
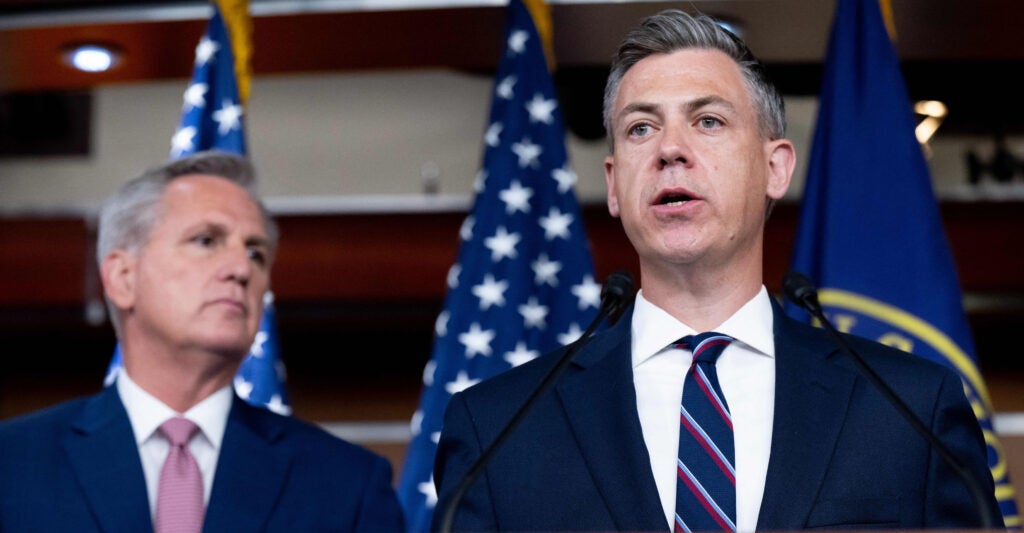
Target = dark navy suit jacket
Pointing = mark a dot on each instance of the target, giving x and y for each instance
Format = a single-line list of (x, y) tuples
[(841, 455), (75, 467)]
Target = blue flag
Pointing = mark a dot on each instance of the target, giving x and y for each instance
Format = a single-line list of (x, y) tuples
[(870, 232), (211, 118), (523, 281)]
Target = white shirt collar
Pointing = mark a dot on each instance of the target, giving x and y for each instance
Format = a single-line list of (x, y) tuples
[(654, 329), (146, 413)]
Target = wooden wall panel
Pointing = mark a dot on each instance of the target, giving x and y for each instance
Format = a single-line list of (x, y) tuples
[(42, 261), (987, 239), (384, 257), (405, 257)]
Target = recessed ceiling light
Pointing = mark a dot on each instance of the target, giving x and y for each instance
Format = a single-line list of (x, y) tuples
[(92, 57), (934, 113), (931, 108)]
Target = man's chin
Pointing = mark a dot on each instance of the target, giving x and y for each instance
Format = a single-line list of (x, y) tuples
[(231, 349), (227, 336)]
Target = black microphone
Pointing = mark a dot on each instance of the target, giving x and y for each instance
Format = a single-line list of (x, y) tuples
[(801, 291), (615, 295)]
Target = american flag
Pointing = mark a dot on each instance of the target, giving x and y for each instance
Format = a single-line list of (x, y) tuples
[(211, 114), (211, 118), (523, 282)]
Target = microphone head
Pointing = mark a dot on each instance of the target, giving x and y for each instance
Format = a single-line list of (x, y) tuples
[(617, 289), (617, 285), (801, 291)]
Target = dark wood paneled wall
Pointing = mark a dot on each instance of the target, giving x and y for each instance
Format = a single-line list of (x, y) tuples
[(345, 281), (398, 257)]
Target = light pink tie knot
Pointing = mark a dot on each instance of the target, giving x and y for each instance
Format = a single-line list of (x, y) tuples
[(179, 505), (178, 431)]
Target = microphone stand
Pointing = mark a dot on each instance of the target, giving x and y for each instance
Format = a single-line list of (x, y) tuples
[(617, 286), (801, 291)]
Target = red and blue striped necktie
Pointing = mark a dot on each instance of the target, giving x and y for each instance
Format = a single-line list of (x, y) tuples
[(705, 469)]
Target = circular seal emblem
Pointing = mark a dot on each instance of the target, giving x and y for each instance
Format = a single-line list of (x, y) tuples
[(873, 319)]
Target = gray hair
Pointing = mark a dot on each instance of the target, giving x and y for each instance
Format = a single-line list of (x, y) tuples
[(127, 217), (673, 30)]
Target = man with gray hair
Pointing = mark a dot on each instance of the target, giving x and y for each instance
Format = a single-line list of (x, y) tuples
[(704, 407), (185, 252)]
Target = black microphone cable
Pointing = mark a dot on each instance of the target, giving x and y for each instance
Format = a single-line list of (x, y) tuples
[(801, 291), (615, 293)]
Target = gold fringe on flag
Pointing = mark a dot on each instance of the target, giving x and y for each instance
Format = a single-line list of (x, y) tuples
[(890, 22), (239, 25), (540, 11)]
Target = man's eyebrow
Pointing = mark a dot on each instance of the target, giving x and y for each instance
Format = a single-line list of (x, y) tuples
[(640, 107), (705, 101), (208, 226), (689, 106), (258, 241)]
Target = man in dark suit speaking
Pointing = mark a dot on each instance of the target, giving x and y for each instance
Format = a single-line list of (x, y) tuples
[(185, 252), (705, 407)]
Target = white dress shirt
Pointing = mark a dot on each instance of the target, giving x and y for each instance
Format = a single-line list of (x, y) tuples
[(146, 414), (746, 372)]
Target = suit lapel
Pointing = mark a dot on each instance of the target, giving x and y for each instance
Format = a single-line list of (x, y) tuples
[(598, 396), (105, 460), (251, 471), (812, 394)]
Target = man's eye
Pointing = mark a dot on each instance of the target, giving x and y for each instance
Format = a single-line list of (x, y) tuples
[(639, 130), (203, 240), (710, 122), (258, 255)]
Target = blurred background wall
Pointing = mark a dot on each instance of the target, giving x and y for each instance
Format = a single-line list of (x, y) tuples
[(366, 120)]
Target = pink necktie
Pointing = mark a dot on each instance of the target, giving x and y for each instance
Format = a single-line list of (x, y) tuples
[(179, 500)]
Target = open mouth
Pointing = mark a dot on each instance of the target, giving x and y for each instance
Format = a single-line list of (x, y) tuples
[(674, 199)]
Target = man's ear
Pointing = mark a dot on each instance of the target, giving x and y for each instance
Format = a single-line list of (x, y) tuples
[(609, 180), (781, 162), (117, 271)]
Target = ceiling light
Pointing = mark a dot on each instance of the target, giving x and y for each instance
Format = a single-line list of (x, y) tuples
[(932, 108), (934, 112), (92, 57)]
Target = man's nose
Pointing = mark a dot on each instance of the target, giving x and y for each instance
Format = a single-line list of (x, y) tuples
[(237, 265), (674, 146)]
